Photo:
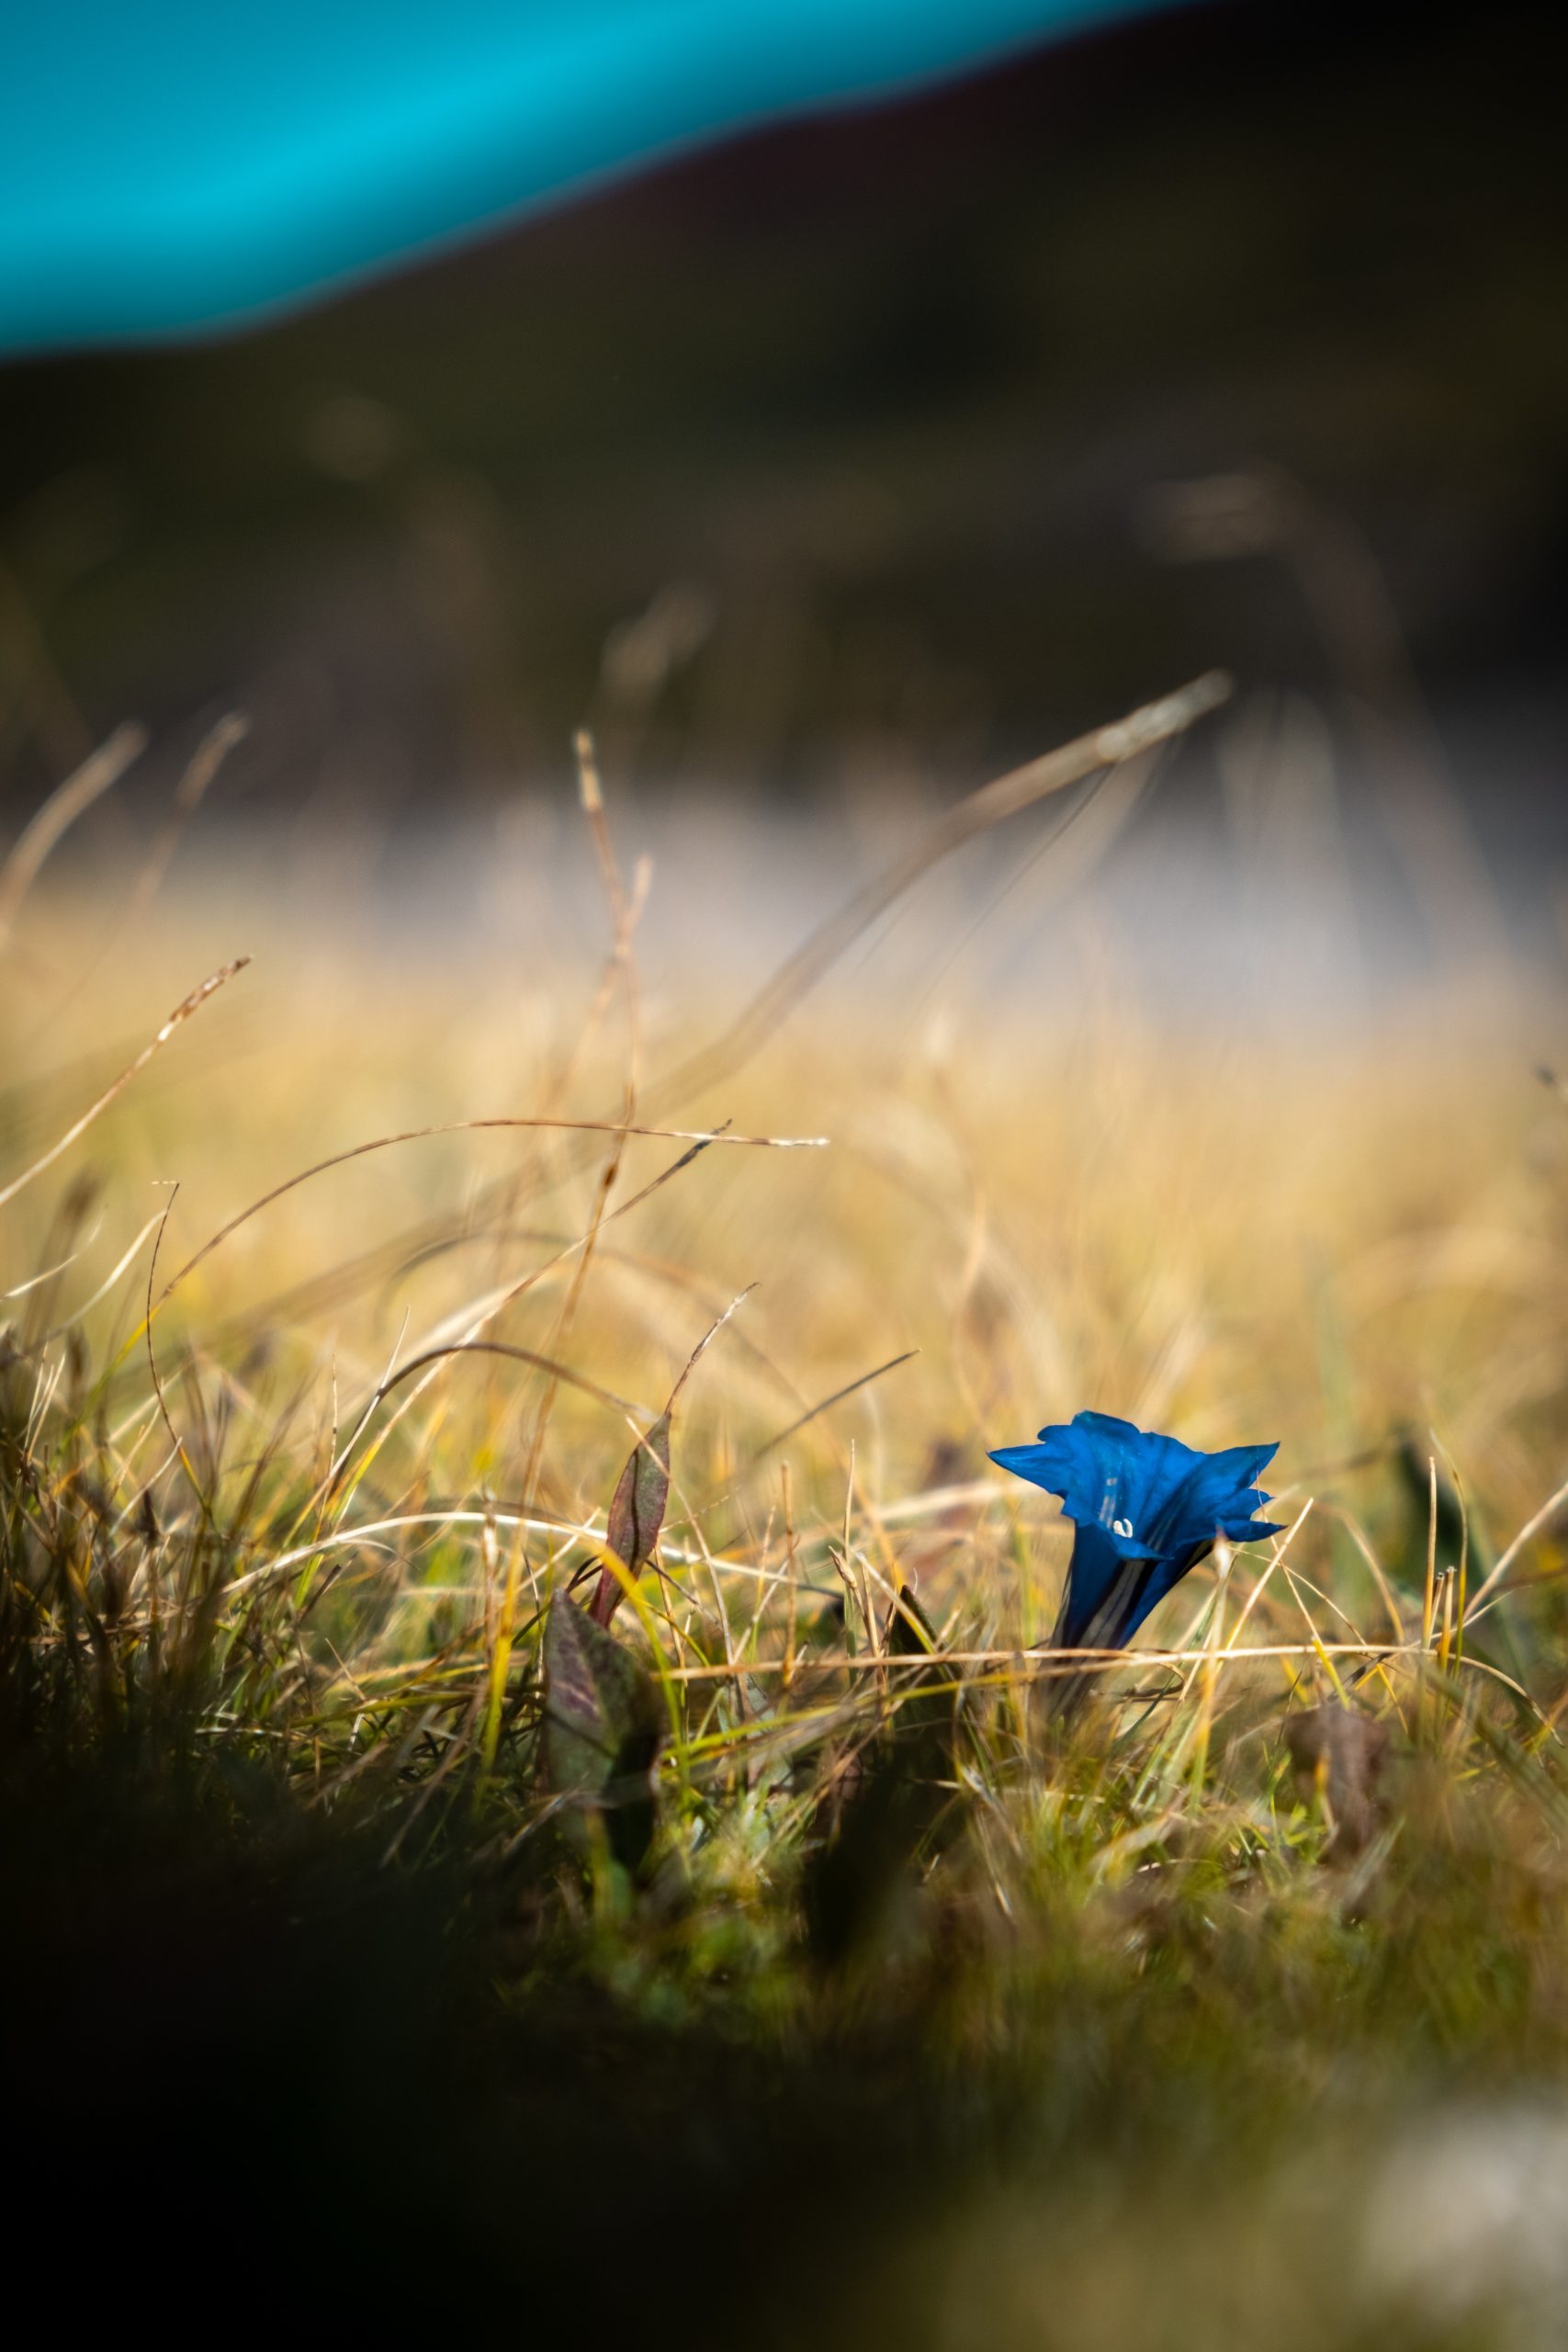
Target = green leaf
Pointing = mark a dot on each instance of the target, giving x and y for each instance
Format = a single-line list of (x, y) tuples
[(602, 1726), (910, 1632)]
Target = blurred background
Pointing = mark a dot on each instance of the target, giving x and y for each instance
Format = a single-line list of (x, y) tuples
[(831, 466)]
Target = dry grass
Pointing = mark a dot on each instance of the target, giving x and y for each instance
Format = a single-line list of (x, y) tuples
[(288, 1489)]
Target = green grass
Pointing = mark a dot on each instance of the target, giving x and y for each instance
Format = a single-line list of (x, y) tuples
[(875, 2011)]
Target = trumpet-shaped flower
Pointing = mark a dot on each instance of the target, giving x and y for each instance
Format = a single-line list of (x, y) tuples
[(1146, 1510)]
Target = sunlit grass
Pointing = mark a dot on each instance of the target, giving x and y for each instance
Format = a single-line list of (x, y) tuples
[(288, 1489)]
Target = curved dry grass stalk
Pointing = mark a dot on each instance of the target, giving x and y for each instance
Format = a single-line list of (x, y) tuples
[(1533, 1527), (851, 1388), (120, 1265), (529, 1356), (471, 1320), (182, 1013), (66, 803), (201, 770), (1104, 748), (48, 1273), (703, 1136)]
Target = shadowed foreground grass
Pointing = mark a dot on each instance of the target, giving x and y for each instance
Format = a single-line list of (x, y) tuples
[(840, 1997)]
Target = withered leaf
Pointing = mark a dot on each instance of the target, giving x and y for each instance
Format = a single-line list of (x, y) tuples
[(602, 1726), (636, 1508), (637, 1514), (1338, 1754)]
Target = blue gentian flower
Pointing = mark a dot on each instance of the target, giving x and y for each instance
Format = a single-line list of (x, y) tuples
[(1146, 1510)]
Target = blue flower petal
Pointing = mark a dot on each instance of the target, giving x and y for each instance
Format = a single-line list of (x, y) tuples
[(1147, 1508), (1043, 1465), (1098, 1567)]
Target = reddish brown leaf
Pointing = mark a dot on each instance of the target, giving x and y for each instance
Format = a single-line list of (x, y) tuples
[(636, 1508), (637, 1514), (602, 1728), (1338, 1754)]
